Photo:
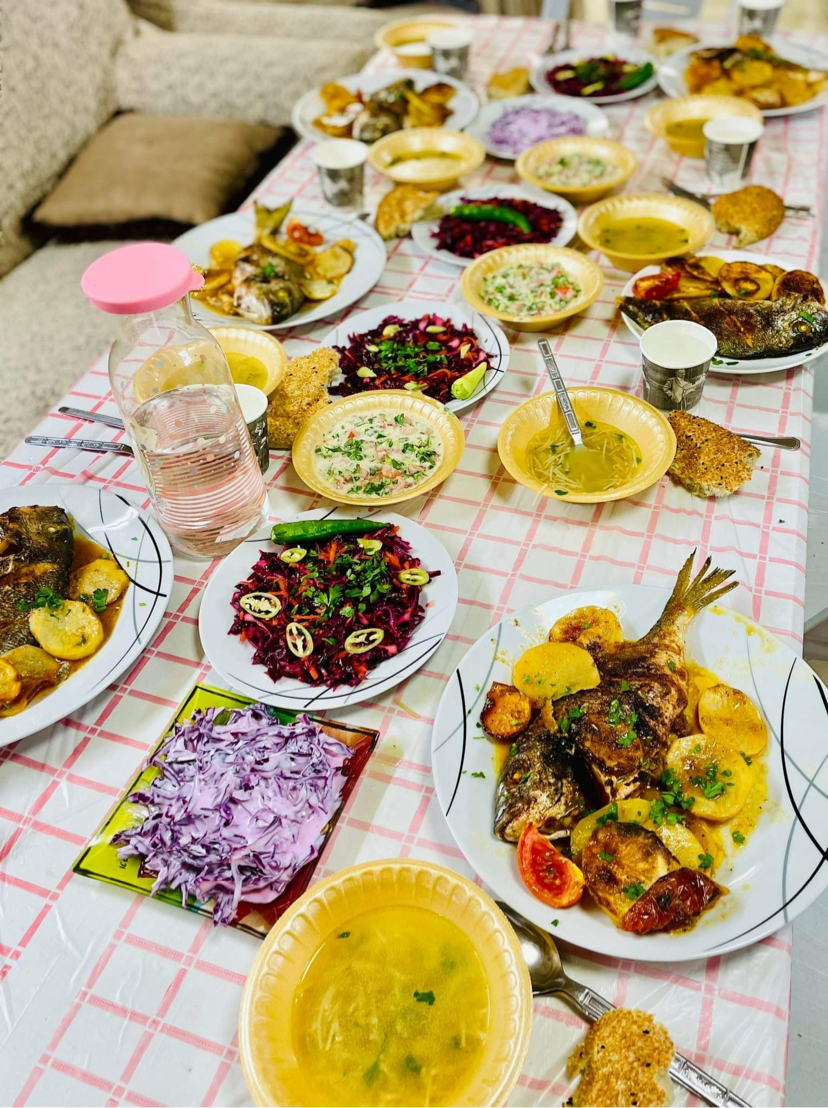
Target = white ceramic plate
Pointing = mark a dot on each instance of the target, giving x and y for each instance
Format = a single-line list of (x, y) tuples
[(369, 262), (422, 232), (740, 366), (595, 121), (489, 335), (670, 74), (464, 104), (142, 549), (547, 62), (233, 659), (775, 876)]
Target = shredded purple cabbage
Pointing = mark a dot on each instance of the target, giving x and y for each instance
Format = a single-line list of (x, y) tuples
[(238, 807), (518, 129)]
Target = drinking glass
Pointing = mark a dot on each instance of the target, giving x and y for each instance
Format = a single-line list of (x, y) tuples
[(676, 357)]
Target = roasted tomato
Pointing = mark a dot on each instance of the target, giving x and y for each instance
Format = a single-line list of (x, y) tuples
[(546, 873), (308, 236), (657, 285), (506, 713), (672, 902)]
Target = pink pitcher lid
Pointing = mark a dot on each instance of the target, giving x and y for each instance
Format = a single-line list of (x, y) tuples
[(139, 278)]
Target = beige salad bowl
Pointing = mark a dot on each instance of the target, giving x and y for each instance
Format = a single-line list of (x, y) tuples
[(621, 160), (696, 220), (465, 154)]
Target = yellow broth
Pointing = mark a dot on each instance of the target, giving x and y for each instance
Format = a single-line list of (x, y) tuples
[(686, 128), (643, 235), (393, 1009), (608, 460)]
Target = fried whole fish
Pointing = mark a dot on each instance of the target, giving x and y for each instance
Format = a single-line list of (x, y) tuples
[(36, 548), (743, 329), (538, 785), (622, 727), (266, 286)]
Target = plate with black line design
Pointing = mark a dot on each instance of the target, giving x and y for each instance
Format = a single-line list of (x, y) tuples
[(39, 559), (340, 612), (770, 855)]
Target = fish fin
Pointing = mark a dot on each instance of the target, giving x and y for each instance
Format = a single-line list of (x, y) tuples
[(704, 588)]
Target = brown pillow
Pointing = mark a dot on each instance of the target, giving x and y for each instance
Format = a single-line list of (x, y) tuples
[(156, 167)]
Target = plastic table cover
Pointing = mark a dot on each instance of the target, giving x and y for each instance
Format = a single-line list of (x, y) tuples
[(108, 998)]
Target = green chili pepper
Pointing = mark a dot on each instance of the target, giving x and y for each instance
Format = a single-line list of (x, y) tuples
[(495, 212), (316, 530), (637, 77)]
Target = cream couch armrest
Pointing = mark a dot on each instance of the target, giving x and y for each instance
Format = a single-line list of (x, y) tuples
[(234, 76), (262, 17)]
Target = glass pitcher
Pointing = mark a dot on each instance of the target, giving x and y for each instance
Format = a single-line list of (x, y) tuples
[(176, 395)]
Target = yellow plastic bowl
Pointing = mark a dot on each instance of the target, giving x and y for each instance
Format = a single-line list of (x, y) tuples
[(443, 425), (585, 272), (660, 116), (697, 221), (622, 159), (265, 1041), (408, 32), (635, 417), (469, 151), (257, 344)]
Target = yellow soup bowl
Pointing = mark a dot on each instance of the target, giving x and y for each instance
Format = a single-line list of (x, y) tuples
[(662, 116), (696, 220), (576, 265), (429, 157), (622, 163), (254, 344), (406, 39), (649, 428), (266, 1041)]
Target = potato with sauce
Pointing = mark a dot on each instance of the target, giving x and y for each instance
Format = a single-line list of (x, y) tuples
[(718, 779), (587, 625), (103, 577), (71, 631), (731, 718), (553, 670), (506, 713)]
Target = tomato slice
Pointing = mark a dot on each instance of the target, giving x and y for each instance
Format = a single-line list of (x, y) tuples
[(657, 285), (308, 236), (546, 873)]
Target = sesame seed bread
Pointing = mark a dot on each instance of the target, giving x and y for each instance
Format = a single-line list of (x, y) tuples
[(301, 393), (752, 213), (623, 1060), (710, 460)]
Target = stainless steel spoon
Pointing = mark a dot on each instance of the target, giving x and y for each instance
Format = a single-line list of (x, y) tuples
[(550, 979), (789, 443), (564, 403)]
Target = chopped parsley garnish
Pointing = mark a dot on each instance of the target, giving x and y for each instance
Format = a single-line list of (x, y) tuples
[(705, 861), (625, 685), (97, 601), (611, 813), (513, 750), (738, 837), (555, 922), (412, 1065), (424, 998), (634, 891), (343, 934), (44, 598), (671, 665), (604, 856), (479, 773)]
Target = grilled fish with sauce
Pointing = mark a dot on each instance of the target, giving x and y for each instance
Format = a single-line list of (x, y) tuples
[(36, 548)]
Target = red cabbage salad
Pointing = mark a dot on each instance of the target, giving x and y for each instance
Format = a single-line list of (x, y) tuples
[(328, 612), (606, 75), (237, 808), (519, 128), (421, 355), (474, 227)]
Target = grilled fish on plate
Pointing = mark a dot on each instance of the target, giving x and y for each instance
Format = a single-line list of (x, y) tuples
[(36, 548), (743, 329)]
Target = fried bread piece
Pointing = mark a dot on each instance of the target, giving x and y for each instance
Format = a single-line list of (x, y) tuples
[(752, 213), (403, 206), (623, 1060), (302, 391), (665, 41), (710, 460)]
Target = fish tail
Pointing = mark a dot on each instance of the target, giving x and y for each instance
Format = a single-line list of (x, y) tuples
[(703, 589)]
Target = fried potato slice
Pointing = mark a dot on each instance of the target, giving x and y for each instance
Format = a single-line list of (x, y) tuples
[(223, 253), (764, 98), (506, 713), (722, 86), (101, 574), (718, 779), (698, 267), (746, 281), (337, 97), (319, 289), (10, 683), (776, 270), (586, 625), (702, 72), (731, 718), (553, 670), (798, 282), (750, 73), (746, 43), (332, 263), (71, 631), (215, 279), (680, 841), (628, 811)]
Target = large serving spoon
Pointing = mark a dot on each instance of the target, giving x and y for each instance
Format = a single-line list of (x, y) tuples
[(564, 403), (550, 979)]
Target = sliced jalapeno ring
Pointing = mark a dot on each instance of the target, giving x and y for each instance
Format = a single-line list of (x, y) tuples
[(414, 577), (358, 642), (263, 605), (370, 546), (293, 554), (299, 640)]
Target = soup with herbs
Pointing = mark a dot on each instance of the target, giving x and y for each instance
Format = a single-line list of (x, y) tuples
[(644, 235), (607, 460), (393, 1009), (686, 129)]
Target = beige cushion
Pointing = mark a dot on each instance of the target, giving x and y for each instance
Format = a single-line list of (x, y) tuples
[(58, 88), (233, 76), (264, 17), (156, 167)]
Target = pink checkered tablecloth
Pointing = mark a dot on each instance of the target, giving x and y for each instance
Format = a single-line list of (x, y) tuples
[(106, 998)]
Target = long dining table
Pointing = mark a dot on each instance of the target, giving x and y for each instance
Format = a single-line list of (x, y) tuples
[(112, 998)]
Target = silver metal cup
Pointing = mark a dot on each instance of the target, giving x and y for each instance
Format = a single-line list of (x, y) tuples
[(675, 359), (341, 166), (626, 16), (758, 17), (729, 146), (450, 51), (253, 403)]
